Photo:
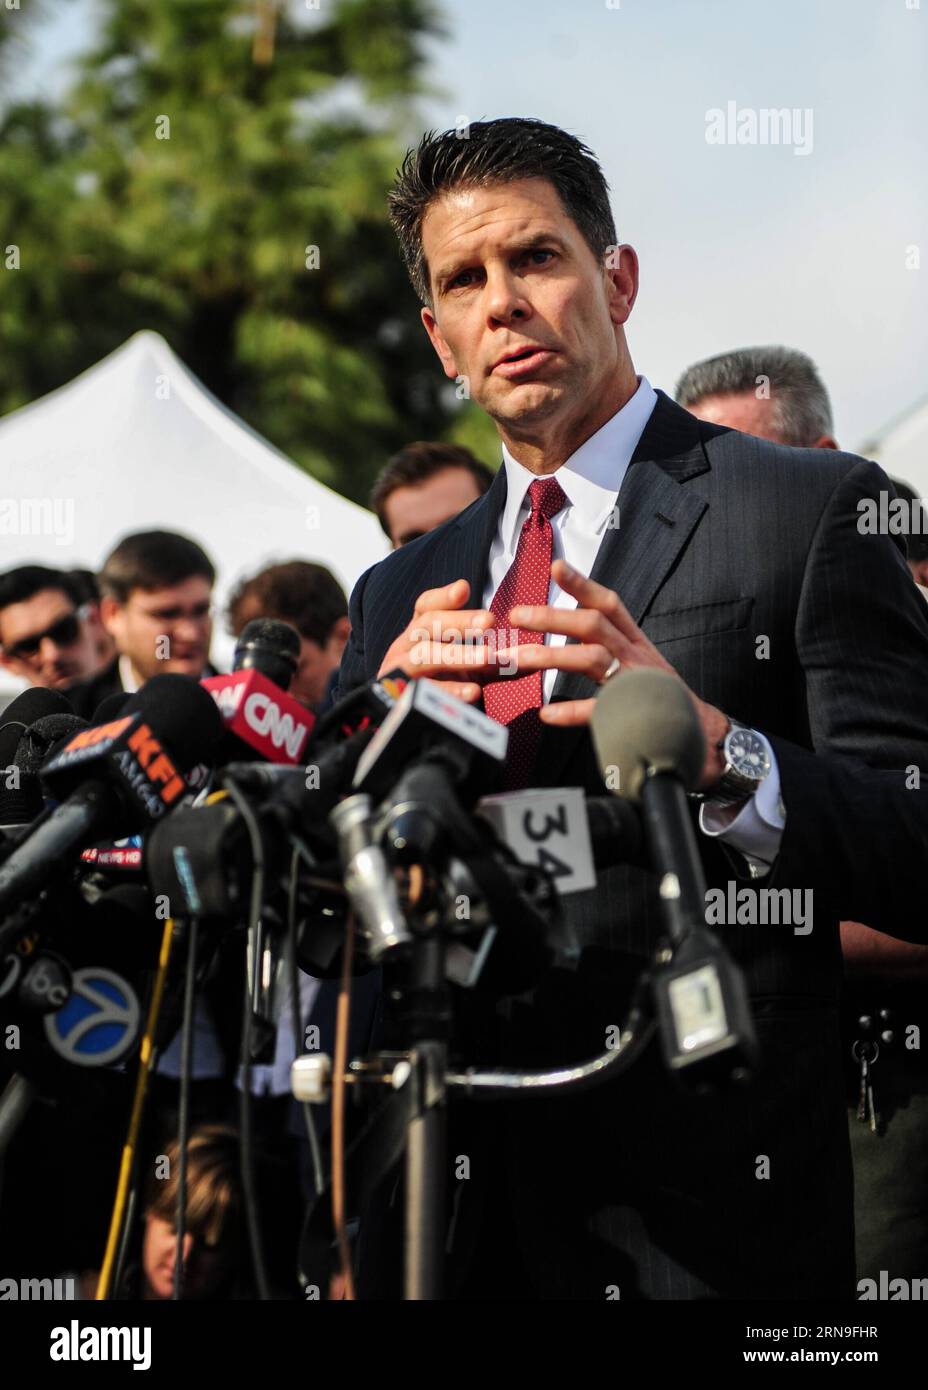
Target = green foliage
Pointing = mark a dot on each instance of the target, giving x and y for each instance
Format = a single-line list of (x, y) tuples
[(182, 185)]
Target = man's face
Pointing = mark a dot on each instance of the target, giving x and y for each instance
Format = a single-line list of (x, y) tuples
[(316, 666), (740, 412), (510, 271), (203, 1264), (743, 411), (46, 640), (413, 510), (163, 630)]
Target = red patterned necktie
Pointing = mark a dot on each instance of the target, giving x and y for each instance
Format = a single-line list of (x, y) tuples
[(516, 702)]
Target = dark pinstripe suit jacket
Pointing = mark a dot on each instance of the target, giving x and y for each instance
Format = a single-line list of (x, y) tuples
[(743, 563)]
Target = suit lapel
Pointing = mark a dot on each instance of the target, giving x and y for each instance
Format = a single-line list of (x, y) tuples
[(466, 551), (656, 518)]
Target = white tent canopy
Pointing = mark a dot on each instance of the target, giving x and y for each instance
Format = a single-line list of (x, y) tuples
[(137, 443)]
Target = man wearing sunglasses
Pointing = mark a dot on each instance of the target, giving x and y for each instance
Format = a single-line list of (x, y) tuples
[(47, 633), (156, 603)]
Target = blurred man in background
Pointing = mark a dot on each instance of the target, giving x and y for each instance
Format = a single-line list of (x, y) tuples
[(48, 627), (156, 603), (425, 484), (773, 392), (310, 598), (777, 393), (85, 582)]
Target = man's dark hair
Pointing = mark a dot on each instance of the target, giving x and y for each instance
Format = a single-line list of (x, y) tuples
[(298, 592), (493, 152), (419, 461), (85, 584), (801, 407), (24, 582), (152, 560)]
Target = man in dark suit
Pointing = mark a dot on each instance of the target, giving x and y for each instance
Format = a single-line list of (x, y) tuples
[(622, 532)]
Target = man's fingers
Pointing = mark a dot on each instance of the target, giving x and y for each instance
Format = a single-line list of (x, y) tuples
[(450, 624), (453, 595), (444, 660), (567, 713), (587, 624), (592, 660), (589, 594)]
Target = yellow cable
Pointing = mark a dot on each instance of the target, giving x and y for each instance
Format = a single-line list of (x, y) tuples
[(146, 1057)]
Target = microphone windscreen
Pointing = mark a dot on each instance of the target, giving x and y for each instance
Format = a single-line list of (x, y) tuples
[(269, 646), (645, 720), (32, 704), (183, 716), (110, 707), (40, 738)]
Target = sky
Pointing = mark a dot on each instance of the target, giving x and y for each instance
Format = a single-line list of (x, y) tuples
[(820, 243)]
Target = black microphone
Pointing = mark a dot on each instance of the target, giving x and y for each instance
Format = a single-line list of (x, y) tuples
[(39, 742), (115, 778), (110, 706), (32, 705), (366, 707), (427, 720), (650, 747), (271, 647)]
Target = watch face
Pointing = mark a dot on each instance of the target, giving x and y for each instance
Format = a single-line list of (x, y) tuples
[(747, 754)]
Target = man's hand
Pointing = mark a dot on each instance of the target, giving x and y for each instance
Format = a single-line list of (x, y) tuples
[(604, 630), (443, 642)]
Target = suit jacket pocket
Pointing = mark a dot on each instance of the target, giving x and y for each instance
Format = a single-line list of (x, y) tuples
[(701, 620)]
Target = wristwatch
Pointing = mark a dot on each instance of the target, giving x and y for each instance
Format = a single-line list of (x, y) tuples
[(746, 762)]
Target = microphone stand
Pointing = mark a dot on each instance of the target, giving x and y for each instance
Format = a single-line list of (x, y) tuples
[(426, 1159)]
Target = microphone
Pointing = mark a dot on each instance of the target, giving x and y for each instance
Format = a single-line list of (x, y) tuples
[(20, 807), (110, 706), (425, 719), (364, 708), (650, 747), (117, 777), (339, 738), (32, 705), (271, 647), (253, 702)]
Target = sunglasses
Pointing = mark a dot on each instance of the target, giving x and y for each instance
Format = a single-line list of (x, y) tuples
[(63, 633)]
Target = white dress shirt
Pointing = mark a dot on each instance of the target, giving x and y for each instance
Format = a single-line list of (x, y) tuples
[(591, 478)]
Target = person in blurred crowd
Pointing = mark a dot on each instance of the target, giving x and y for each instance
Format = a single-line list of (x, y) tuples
[(776, 393), (309, 597), (47, 627), (86, 584), (425, 484), (213, 1243), (156, 603)]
